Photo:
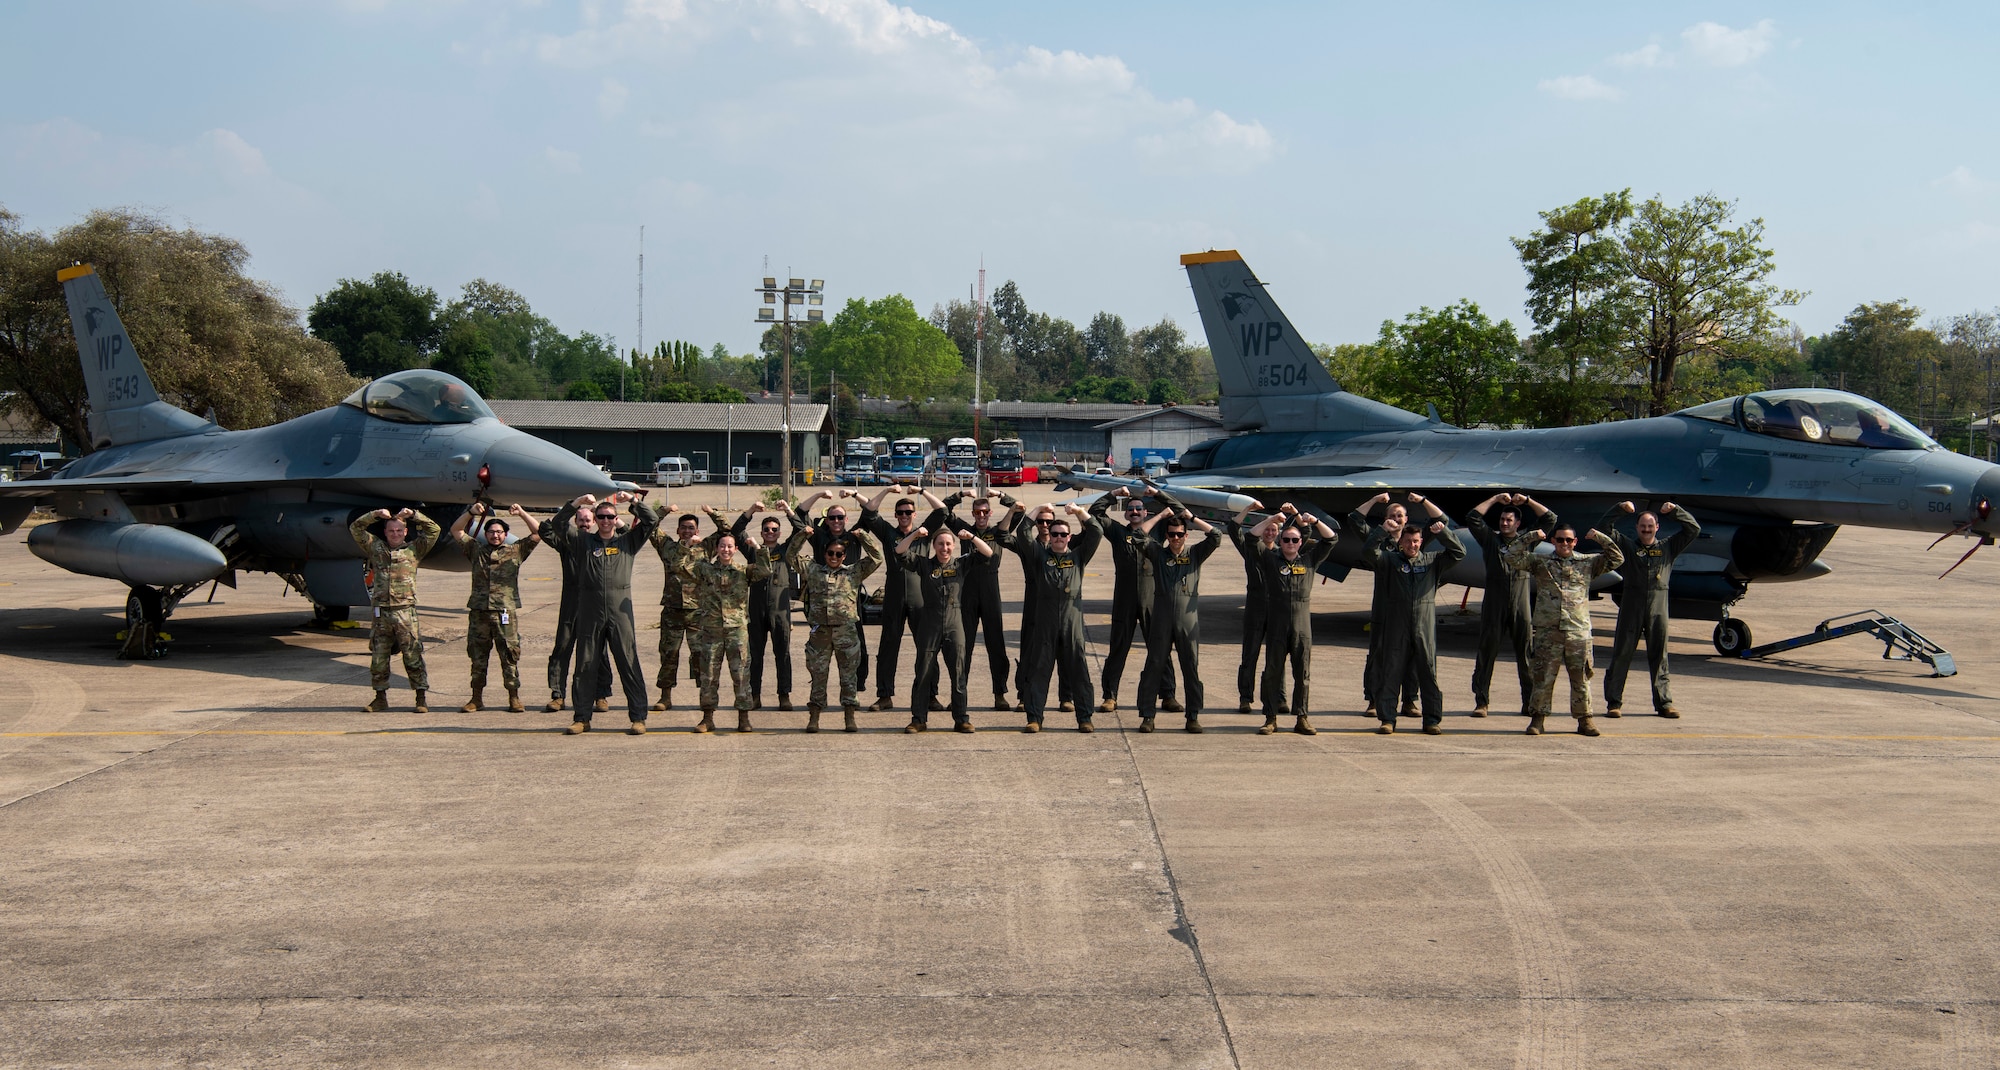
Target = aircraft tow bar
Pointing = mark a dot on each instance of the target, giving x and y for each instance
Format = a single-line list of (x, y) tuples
[(1895, 635)]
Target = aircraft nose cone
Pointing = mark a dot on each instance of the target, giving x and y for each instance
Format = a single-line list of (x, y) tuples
[(1986, 502), (540, 475)]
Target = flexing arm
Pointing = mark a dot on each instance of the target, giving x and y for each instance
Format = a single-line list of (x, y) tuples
[(424, 533), (1689, 532)]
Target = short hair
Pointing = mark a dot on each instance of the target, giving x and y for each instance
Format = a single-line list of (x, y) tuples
[(1647, 513), (1499, 511), (769, 523), (1559, 529), (911, 502), (1174, 524), (497, 522)]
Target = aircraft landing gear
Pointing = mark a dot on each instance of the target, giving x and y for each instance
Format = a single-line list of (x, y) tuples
[(327, 616), (1732, 637), (145, 616)]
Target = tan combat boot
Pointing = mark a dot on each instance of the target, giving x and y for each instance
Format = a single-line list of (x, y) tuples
[(914, 727), (707, 722), (1479, 710), (1270, 724), (380, 705), (1668, 711), (638, 728), (812, 719), (847, 720), (473, 704), (1145, 724), (1535, 724), (666, 700), (743, 721), (1584, 727), (1194, 725), (1169, 704), (514, 701), (1615, 711), (421, 706), (965, 727), (1109, 705), (1386, 728), (602, 705), (1304, 726), (1000, 704), (577, 728), (785, 702), (555, 704), (1243, 706)]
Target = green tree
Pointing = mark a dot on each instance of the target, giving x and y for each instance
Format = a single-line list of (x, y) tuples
[(1582, 300), (381, 325), (213, 339), (1698, 288), (585, 390), (884, 347), (1362, 368), (466, 353), (1164, 390), (1162, 352), (1107, 349), (1454, 357), (1879, 350)]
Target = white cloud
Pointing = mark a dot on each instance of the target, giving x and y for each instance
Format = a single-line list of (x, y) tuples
[(865, 72), (567, 162), (1578, 87), (1652, 55), (1719, 46), (1962, 181), (612, 97), (235, 157)]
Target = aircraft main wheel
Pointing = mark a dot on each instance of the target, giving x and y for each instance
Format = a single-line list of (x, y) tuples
[(328, 614), (1732, 637)]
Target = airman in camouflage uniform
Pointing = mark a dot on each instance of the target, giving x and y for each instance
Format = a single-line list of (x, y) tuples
[(833, 600), (1562, 618), (723, 626), (494, 609), (392, 562), (678, 602)]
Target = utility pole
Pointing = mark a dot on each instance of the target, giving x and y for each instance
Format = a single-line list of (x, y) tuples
[(794, 292), (978, 349)]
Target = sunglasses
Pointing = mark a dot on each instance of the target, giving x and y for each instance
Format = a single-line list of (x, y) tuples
[(906, 512), (1058, 534), (1291, 538), (1562, 540), (607, 516)]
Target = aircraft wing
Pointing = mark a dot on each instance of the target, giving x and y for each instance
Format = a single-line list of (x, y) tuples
[(43, 488), (1241, 483)]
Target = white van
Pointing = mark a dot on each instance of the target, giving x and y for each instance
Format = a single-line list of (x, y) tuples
[(673, 472)]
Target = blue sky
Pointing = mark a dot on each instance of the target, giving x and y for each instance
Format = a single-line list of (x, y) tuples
[(1365, 159)]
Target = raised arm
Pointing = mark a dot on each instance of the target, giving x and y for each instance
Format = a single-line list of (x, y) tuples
[(534, 534), (871, 557), (424, 532), (1689, 532)]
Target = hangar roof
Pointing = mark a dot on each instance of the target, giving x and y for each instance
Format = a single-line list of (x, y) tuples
[(656, 415)]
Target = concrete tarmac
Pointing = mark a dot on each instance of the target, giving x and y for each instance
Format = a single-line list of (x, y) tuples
[(217, 860)]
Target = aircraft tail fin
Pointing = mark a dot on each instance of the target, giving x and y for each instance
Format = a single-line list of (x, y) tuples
[(1271, 379), (124, 407)]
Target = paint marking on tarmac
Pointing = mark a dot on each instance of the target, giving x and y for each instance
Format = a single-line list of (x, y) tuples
[(436, 729)]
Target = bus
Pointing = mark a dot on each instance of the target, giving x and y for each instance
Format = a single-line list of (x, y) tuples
[(910, 458), (860, 459), (1007, 465), (961, 462)]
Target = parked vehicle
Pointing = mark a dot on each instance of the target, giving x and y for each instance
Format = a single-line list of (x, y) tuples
[(911, 458), (673, 472), (861, 460), (960, 465), (1006, 465)]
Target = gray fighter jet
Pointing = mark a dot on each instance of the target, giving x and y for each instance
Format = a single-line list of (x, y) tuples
[(1771, 475), (169, 501)]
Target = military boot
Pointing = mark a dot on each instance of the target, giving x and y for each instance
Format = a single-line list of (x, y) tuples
[(812, 719), (785, 702), (555, 704), (707, 722), (577, 728), (473, 704), (882, 702), (421, 705), (847, 720), (1000, 704), (1615, 711), (1535, 724), (666, 701), (743, 721), (1085, 726), (1584, 727), (1145, 724), (602, 705), (1409, 709), (1386, 728), (914, 727), (1669, 711), (1193, 726), (638, 728), (1270, 724), (1304, 726), (965, 727), (1109, 705), (380, 705), (514, 701), (1067, 706), (1032, 727), (1479, 710), (1172, 705), (1243, 706)]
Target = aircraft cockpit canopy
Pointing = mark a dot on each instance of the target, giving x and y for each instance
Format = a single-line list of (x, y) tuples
[(1829, 417), (420, 396)]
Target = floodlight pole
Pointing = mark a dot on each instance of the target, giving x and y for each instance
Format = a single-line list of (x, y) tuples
[(785, 409), (795, 291)]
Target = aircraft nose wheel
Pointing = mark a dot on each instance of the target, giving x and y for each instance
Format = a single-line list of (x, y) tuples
[(1732, 637)]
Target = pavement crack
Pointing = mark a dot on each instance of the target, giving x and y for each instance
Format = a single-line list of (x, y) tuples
[(1183, 929)]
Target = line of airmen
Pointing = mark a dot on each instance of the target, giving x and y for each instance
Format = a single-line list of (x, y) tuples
[(726, 595)]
